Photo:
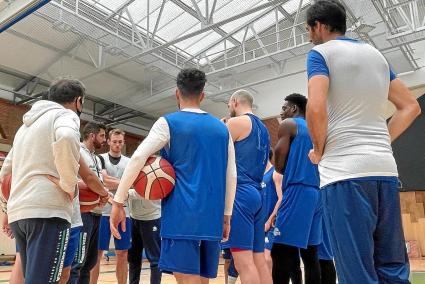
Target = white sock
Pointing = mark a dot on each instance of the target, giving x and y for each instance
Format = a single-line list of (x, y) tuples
[(231, 280)]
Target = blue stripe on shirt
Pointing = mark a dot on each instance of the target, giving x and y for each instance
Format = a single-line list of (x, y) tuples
[(316, 64)]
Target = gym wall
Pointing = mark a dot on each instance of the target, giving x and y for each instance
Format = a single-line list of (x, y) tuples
[(11, 120)]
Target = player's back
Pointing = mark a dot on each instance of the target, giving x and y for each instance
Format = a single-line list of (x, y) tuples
[(198, 151), (252, 153)]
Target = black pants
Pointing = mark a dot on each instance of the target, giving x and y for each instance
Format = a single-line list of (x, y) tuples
[(144, 235), (327, 272), (286, 264), (80, 273), (42, 244)]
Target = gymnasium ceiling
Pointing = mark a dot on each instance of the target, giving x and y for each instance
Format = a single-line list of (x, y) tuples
[(128, 52)]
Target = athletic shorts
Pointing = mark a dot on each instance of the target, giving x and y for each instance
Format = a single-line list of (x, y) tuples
[(73, 246), (105, 235), (196, 257)]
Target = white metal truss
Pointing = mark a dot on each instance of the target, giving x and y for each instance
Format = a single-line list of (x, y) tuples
[(405, 20)]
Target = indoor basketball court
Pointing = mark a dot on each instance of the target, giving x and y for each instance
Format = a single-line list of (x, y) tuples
[(212, 141)]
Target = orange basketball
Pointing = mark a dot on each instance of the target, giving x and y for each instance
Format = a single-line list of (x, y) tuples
[(5, 186), (156, 180), (88, 199)]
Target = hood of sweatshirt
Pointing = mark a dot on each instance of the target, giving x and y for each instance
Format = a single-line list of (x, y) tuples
[(39, 109)]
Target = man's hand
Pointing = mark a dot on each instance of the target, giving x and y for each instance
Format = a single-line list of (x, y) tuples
[(226, 228), (117, 218), (315, 156), (5, 226), (104, 200), (56, 181)]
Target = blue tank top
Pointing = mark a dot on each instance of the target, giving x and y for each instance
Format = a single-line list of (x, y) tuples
[(299, 169), (252, 154), (198, 151), (269, 192)]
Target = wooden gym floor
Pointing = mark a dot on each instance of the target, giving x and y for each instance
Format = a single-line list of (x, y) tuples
[(107, 273)]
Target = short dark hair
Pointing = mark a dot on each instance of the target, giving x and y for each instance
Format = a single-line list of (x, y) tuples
[(330, 13), (65, 90), (299, 100), (191, 82), (92, 128)]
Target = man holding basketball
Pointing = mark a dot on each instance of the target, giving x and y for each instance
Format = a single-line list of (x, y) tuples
[(201, 151)]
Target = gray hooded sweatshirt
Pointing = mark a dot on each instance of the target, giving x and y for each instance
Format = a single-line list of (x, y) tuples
[(46, 144)]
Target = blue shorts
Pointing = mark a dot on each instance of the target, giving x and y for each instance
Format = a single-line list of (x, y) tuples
[(324, 250), (269, 239), (105, 235), (365, 229), (299, 218), (73, 246), (247, 224), (190, 257)]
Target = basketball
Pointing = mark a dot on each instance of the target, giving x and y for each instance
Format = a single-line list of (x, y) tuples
[(88, 199), (5, 186), (156, 180)]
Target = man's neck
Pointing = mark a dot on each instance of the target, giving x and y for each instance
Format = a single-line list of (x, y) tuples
[(114, 154), (245, 111), (332, 36), (189, 104), (89, 146)]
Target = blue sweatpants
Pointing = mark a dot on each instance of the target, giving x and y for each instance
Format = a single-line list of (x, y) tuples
[(364, 222)]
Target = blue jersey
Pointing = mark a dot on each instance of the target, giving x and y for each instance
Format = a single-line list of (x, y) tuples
[(198, 151), (299, 169), (252, 154), (269, 194)]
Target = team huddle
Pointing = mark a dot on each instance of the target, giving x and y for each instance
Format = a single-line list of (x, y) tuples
[(325, 193)]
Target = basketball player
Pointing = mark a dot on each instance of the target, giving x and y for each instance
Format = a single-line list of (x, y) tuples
[(349, 85), (145, 235), (93, 138), (252, 145), (200, 149), (74, 249), (115, 164), (272, 198), (298, 228), (39, 212)]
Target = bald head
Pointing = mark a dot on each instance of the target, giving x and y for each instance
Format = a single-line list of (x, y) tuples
[(243, 97), (240, 101)]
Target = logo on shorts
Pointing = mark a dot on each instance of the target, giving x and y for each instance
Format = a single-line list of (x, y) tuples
[(266, 240), (276, 232), (263, 184), (154, 229)]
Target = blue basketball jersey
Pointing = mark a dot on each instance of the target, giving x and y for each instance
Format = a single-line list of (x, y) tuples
[(198, 151), (252, 154), (299, 169), (269, 192)]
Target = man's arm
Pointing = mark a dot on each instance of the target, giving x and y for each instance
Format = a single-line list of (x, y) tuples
[(110, 181), (91, 180), (317, 112), (239, 127), (277, 179), (66, 150), (231, 177), (407, 108), (5, 170), (287, 130), (157, 138)]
